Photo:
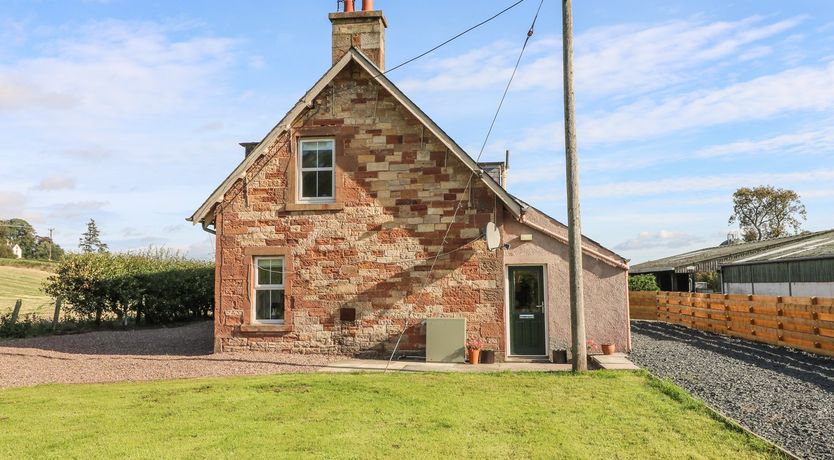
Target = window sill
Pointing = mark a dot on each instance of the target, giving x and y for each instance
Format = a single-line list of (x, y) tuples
[(265, 328), (314, 206)]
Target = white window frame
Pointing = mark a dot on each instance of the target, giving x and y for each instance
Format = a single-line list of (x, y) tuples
[(267, 287), (300, 171)]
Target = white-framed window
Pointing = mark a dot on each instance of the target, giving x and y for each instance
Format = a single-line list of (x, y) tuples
[(269, 290), (316, 170)]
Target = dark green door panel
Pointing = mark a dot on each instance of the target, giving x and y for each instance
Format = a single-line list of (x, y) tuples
[(527, 328)]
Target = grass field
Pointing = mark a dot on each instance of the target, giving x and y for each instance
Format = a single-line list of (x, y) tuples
[(597, 415), (24, 283)]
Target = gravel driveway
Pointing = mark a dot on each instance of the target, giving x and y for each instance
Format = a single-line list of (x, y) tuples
[(782, 394), (143, 354)]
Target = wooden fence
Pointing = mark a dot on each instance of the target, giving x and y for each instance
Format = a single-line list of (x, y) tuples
[(806, 323)]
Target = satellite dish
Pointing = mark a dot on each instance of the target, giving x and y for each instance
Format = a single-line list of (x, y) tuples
[(493, 236)]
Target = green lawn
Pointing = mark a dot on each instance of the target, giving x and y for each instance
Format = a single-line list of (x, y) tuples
[(24, 283), (597, 415)]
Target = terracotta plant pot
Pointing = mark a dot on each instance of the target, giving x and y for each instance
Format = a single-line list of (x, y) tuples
[(474, 356), (608, 348), (487, 356)]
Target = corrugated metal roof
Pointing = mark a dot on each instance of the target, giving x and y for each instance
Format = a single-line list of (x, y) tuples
[(821, 245), (812, 244)]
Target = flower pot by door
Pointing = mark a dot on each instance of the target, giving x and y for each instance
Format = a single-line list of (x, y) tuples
[(474, 356), (608, 348), (488, 357)]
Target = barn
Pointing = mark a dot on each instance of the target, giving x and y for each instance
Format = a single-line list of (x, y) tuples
[(804, 269)]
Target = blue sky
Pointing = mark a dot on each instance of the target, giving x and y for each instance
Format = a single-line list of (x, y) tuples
[(130, 111)]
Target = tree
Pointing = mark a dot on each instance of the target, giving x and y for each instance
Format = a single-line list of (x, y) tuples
[(91, 239), (645, 282), (766, 212), (18, 232), (42, 249)]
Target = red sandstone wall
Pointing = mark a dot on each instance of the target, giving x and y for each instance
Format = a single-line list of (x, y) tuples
[(397, 189)]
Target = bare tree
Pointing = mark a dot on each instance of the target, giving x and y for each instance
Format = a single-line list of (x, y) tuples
[(766, 212)]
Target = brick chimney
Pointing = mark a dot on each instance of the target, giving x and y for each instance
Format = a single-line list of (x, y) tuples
[(364, 30)]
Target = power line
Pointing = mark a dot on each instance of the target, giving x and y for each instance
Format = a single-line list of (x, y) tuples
[(455, 37)]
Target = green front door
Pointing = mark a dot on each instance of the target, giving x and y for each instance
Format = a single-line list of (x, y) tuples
[(527, 335)]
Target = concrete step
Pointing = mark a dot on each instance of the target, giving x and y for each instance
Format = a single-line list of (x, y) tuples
[(617, 361)]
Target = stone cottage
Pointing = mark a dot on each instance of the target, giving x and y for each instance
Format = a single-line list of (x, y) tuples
[(357, 217)]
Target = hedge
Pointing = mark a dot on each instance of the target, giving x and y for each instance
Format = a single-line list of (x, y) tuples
[(646, 282), (156, 286)]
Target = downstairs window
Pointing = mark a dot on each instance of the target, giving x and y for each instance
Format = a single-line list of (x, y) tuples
[(269, 289)]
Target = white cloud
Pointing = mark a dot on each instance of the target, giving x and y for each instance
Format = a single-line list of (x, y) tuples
[(56, 183), (761, 98), (117, 68), (11, 204), (806, 142), (661, 239), (131, 232), (686, 184), (610, 60), (88, 153), (16, 93), (77, 210)]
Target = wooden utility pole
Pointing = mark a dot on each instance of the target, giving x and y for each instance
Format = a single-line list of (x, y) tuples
[(577, 306)]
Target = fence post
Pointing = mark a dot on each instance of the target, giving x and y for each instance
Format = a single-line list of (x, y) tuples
[(57, 313), (16, 311)]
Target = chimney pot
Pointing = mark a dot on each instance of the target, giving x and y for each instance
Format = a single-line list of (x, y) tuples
[(367, 5), (349, 6)]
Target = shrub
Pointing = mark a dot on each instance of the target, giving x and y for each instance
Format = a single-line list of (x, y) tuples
[(646, 282), (156, 285)]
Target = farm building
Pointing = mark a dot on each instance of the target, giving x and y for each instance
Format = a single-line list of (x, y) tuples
[(673, 273), (358, 221), (803, 268)]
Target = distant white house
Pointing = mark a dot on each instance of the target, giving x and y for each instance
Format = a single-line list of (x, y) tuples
[(18, 253)]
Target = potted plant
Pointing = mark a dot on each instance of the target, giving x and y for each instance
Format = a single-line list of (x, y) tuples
[(473, 348), (487, 355), (608, 348)]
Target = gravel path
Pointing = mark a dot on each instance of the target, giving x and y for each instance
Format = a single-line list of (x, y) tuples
[(145, 354), (782, 394)]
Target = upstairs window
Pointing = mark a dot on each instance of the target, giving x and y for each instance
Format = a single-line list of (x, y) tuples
[(269, 289), (316, 172)]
